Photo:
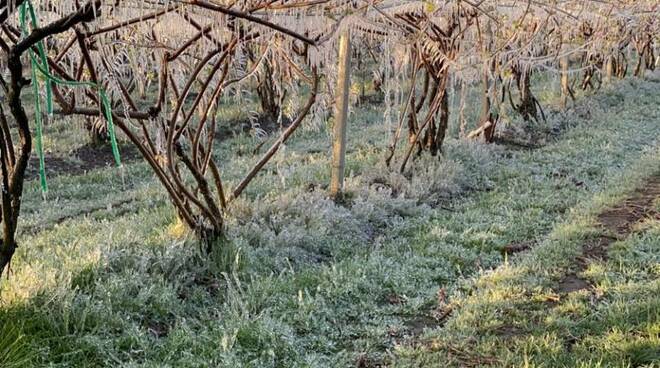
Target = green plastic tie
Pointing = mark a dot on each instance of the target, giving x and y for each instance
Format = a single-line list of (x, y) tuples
[(37, 104), (41, 65)]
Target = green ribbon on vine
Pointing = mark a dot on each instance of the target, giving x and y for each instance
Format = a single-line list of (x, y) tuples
[(41, 65)]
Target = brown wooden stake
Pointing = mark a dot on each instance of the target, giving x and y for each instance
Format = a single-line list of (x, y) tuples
[(341, 116)]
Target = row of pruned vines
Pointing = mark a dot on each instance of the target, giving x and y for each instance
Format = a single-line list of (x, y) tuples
[(156, 74)]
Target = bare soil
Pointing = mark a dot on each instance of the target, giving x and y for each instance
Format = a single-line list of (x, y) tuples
[(571, 283), (80, 161), (617, 223)]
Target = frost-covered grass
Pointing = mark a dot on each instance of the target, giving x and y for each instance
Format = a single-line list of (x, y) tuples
[(513, 317), (105, 276)]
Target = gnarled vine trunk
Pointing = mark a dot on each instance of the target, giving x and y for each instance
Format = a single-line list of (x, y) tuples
[(14, 160)]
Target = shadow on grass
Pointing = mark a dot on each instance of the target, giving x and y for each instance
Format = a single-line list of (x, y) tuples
[(123, 309)]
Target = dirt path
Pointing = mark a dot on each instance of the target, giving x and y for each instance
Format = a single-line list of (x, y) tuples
[(617, 223), (614, 224)]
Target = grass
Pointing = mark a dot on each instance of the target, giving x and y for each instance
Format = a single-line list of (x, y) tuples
[(104, 275), (512, 316)]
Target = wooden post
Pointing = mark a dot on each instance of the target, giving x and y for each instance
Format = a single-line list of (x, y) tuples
[(563, 61), (565, 81), (486, 117), (341, 115), (609, 69)]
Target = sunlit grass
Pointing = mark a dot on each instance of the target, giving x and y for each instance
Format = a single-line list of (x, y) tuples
[(105, 276)]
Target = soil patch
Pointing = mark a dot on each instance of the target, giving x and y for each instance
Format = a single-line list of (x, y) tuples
[(81, 161), (367, 361), (518, 247), (619, 221), (93, 157), (571, 283)]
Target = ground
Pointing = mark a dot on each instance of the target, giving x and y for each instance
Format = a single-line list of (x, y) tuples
[(540, 253)]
